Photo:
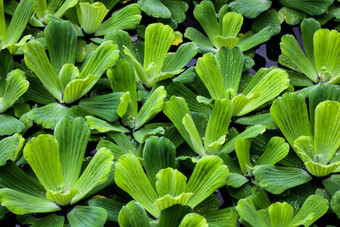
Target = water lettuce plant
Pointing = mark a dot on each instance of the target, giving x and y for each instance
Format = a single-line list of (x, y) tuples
[(169, 113)]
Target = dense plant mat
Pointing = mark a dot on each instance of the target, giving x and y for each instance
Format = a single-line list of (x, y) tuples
[(169, 113)]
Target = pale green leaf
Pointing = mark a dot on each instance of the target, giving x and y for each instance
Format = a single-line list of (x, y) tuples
[(277, 179), (308, 28), (209, 175), (169, 201), (251, 39), (90, 16), (250, 8), (10, 148), (280, 214), (154, 8), (96, 173), (133, 215), (193, 133), (170, 182), (130, 176), (21, 203), (193, 220), (262, 119), (77, 88), (87, 216), (201, 40), (276, 150), (335, 203), (242, 149), (42, 154)]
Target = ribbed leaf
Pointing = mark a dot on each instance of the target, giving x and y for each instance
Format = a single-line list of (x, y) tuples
[(37, 61), (268, 18), (335, 203), (251, 39), (103, 106), (154, 8), (133, 215), (177, 9), (280, 214), (242, 149), (193, 133), (77, 88), (276, 150), (16, 86), (72, 136), (10, 148), (111, 206), (103, 126), (326, 52), (277, 179), (170, 182), (48, 116), (130, 177), (247, 212), (327, 130), (218, 123), (42, 154), (250, 8), (209, 174), (270, 86), (312, 8), (291, 116), (210, 73), (262, 119), (6, 66), (193, 220), (91, 16), (250, 132), (308, 28), (21, 16), (61, 39), (205, 14), (21, 203), (152, 106), (201, 40), (312, 209), (231, 64), (103, 58), (124, 19), (226, 216), (180, 58), (169, 201), (292, 51), (158, 39), (172, 216), (51, 220), (87, 216), (158, 153), (96, 173), (64, 7), (123, 79)]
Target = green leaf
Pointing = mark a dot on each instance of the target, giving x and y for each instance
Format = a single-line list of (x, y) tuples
[(87, 216), (209, 71), (21, 16), (276, 150), (77, 88), (48, 116), (72, 136), (335, 203), (111, 206), (122, 79), (308, 28), (37, 61), (158, 39), (268, 18), (242, 149), (21, 203), (168, 201), (326, 139), (280, 214), (195, 139), (312, 8), (263, 119), (268, 87), (16, 86), (291, 116), (152, 106), (201, 40), (250, 8), (154, 8), (231, 63), (227, 216), (51, 220), (103, 106), (158, 153), (90, 16), (193, 220), (326, 54), (250, 132), (218, 123), (177, 9), (61, 39), (209, 175), (231, 25), (173, 215), (6, 66), (95, 174), (291, 16), (103, 58), (292, 51), (170, 182), (10, 148), (247, 212), (277, 179), (133, 215), (251, 39), (64, 7), (124, 19), (312, 209), (130, 177), (45, 164)]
